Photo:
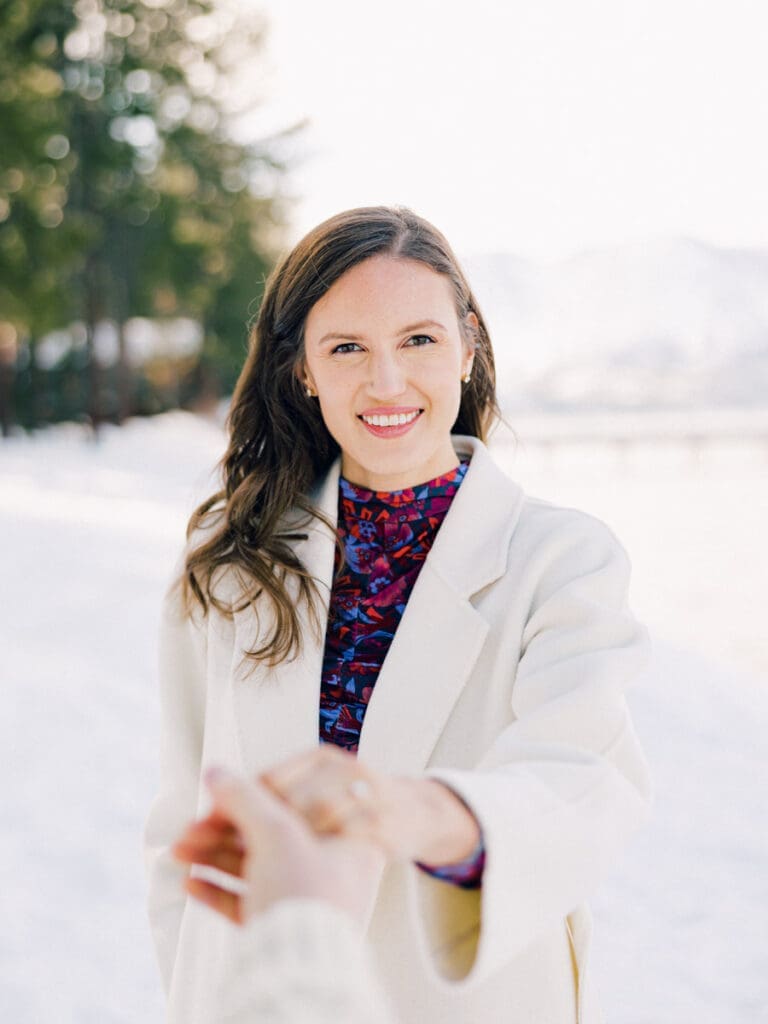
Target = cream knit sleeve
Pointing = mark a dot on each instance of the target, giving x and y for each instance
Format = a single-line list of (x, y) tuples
[(302, 962)]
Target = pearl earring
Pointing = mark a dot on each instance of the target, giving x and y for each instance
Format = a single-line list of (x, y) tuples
[(467, 377), (309, 391)]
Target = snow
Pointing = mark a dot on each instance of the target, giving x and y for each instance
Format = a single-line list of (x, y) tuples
[(90, 533)]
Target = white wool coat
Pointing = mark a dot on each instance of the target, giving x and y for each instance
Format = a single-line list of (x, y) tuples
[(505, 679)]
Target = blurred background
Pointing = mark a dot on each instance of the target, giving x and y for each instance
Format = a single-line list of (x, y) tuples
[(600, 169)]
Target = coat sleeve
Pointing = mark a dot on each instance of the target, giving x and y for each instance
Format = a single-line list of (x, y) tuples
[(182, 679), (299, 961), (565, 784)]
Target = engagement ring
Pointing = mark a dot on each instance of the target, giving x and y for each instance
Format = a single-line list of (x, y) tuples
[(359, 789)]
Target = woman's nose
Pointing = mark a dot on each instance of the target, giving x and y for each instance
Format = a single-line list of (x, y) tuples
[(387, 379)]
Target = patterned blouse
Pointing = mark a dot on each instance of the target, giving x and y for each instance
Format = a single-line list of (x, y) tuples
[(387, 536)]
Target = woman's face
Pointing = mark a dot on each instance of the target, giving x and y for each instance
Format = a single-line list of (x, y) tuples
[(385, 355)]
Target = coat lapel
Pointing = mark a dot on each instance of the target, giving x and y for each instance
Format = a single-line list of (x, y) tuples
[(441, 634), (434, 649), (429, 661), (277, 710)]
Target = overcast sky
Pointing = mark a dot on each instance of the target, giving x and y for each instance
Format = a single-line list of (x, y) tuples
[(540, 127)]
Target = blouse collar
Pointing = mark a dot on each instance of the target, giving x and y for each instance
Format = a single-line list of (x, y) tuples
[(411, 502)]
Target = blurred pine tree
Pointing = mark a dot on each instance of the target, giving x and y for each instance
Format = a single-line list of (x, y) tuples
[(123, 191)]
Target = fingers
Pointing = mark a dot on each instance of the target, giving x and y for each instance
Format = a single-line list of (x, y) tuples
[(213, 841), (319, 784), (215, 819), (230, 861), (226, 903), (291, 773), (323, 807), (317, 791), (206, 833), (251, 807)]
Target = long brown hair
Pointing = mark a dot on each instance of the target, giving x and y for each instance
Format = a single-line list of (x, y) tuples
[(278, 443)]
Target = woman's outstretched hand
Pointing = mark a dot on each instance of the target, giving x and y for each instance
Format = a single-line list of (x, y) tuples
[(253, 835), (336, 795)]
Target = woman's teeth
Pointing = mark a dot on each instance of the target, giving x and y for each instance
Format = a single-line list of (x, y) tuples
[(391, 421)]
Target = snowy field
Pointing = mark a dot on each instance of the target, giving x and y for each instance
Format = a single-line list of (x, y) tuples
[(89, 534)]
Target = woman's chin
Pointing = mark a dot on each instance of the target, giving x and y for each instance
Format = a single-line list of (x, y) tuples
[(396, 469)]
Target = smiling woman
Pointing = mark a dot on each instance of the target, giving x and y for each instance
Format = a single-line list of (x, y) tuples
[(332, 343), (368, 579)]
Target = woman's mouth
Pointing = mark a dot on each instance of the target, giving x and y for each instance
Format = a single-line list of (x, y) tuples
[(388, 423)]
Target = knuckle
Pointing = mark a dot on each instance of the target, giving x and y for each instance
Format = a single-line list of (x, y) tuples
[(325, 810), (322, 804)]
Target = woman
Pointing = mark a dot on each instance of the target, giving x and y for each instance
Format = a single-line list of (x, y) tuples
[(490, 754)]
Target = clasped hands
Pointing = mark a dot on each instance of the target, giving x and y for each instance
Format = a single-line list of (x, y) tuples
[(327, 803)]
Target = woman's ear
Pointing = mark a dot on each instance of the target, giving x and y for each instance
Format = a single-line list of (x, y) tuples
[(471, 333), (306, 381)]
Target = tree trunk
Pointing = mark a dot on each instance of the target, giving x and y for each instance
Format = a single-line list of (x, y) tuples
[(92, 305), (7, 381), (9, 357)]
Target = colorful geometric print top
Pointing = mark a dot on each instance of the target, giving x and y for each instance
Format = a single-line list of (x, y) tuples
[(386, 536)]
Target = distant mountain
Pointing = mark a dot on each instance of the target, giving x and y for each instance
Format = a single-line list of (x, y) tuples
[(659, 323)]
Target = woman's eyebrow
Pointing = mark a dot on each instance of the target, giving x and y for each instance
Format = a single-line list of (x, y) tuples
[(339, 336), (421, 325), (408, 329)]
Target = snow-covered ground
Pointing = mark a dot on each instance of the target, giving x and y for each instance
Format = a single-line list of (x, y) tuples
[(89, 533), (680, 931)]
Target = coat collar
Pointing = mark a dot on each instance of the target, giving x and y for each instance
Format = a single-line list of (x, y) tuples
[(432, 653), (472, 545)]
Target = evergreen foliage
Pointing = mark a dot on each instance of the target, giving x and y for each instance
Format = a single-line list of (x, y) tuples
[(123, 194)]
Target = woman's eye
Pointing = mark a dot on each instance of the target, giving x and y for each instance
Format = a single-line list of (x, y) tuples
[(418, 340), (346, 346)]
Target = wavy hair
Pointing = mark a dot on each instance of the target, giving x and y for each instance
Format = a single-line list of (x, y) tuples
[(279, 446)]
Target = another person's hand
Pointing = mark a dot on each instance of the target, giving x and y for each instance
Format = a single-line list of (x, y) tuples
[(407, 818), (337, 795), (254, 835)]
